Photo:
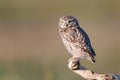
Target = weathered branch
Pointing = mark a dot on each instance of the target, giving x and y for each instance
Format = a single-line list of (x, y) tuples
[(76, 67)]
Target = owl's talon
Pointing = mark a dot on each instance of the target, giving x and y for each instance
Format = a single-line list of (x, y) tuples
[(74, 63)]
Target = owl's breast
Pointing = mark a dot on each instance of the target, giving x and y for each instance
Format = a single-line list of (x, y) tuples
[(71, 35)]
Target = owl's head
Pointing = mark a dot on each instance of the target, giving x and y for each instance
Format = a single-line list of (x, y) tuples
[(67, 21)]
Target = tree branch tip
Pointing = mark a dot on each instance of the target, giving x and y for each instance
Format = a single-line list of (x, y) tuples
[(76, 67)]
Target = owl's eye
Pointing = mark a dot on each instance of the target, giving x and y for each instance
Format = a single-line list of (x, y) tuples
[(70, 21), (62, 21)]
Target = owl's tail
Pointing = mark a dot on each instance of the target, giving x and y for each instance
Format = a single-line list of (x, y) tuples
[(92, 59)]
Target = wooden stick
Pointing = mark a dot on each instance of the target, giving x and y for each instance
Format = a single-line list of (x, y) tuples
[(76, 67)]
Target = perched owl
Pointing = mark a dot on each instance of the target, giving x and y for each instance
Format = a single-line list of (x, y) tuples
[(75, 38)]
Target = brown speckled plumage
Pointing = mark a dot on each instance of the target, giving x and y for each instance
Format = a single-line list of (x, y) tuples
[(75, 39)]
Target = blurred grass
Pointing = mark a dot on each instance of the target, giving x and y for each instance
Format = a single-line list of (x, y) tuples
[(30, 46)]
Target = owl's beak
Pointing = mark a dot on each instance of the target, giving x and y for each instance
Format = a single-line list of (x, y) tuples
[(66, 25)]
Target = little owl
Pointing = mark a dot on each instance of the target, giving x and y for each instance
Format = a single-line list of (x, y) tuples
[(75, 39)]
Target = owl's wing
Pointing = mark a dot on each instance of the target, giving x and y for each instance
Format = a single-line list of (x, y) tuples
[(86, 44), (87, 47)]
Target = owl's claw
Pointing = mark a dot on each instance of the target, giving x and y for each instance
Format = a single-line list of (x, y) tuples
[(74, 63)]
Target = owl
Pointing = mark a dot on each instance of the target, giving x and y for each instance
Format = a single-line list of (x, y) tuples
[(75, 39)]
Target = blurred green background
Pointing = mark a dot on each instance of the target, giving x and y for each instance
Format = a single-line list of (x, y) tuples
[(30, 45)]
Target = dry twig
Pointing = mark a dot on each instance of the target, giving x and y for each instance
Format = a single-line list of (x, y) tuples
[(76, 67)]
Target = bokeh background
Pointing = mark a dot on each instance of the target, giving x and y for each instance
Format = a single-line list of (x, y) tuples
[(30, 45)]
